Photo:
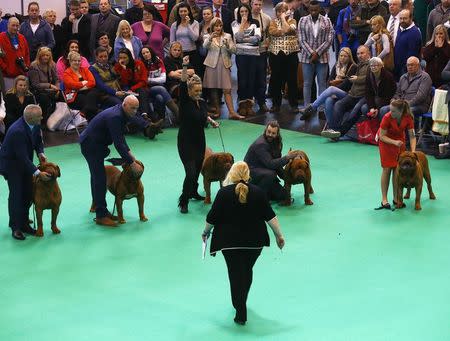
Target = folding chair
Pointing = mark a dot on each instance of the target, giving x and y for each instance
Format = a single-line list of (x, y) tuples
[(71, 112)]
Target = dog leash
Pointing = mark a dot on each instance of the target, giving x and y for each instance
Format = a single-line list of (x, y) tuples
[(221, 138)]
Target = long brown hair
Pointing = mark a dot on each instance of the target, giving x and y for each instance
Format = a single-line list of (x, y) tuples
[(403, 106)]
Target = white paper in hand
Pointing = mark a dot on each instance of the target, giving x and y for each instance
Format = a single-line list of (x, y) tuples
[(204, 247)]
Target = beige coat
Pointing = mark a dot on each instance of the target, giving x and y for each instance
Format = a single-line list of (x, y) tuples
[(226, 49)]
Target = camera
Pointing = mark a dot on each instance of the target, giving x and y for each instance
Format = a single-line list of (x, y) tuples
[(2, 53), (21, 63)]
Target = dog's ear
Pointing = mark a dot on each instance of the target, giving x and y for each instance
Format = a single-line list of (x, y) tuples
[(416, 156), (58, 172)]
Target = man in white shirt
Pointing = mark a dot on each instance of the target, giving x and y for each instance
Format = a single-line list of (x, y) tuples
[(395, 6)]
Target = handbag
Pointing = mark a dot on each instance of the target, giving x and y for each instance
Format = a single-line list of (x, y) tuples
[(367, 131), (440, 112)]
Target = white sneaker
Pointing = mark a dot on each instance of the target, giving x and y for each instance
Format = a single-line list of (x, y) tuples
[(330, 133)]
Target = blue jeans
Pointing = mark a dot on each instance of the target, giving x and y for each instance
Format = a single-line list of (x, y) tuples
[(329, 97), (348, 103), (309, 72), (159, 97)]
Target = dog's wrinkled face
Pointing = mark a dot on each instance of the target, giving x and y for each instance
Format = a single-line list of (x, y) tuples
[(222, 162), (407, 163), (51, 169), (299, 168), (127, 170)]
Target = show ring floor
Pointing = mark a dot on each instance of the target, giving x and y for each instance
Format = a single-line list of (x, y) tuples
[(347, 272)]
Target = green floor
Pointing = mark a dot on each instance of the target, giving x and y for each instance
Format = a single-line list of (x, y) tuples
[(347, 272)]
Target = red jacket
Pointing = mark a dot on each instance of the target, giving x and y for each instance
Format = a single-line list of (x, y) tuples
[(8, 61), (72, 83), (127, 81)]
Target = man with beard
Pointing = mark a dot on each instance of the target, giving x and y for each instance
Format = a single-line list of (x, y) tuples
[(266, 163)]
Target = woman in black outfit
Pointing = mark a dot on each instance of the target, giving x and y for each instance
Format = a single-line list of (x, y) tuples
[(16, 99), (238, 215), (191, 135)]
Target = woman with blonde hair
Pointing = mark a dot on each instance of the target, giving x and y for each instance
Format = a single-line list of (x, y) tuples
[(437, 53), (392, 143), (126, 39), (16, 99), (380, 42), (220, 46), (44, 81), (239, 215)]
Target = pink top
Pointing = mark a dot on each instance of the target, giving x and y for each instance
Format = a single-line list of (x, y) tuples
[(155, 38), (60, 67)]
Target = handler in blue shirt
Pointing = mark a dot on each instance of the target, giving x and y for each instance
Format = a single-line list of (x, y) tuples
[(105, 129), (16, 165)]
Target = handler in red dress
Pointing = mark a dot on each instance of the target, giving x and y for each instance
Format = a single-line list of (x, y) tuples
[(392, 143)]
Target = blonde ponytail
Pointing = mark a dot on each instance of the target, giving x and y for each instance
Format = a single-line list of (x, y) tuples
[(241, 191), (239, 174)]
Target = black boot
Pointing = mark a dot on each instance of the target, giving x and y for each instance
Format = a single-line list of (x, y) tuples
[(183, 205), (195, 194)]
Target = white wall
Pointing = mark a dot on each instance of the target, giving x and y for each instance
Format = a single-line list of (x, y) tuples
[(14, 6)]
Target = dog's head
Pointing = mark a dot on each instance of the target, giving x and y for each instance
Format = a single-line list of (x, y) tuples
[(127, 170), (407, 163), (245, 107), (218, 164), (50, 168), (299, 169)]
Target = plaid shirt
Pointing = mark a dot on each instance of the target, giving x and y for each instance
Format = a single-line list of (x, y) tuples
[(309, 43)]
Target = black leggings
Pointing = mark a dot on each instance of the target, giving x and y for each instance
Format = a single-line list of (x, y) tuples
[(192, 170), (240, 264), (86, 101)]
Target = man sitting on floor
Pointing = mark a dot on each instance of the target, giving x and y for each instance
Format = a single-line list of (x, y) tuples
[(266, 163)]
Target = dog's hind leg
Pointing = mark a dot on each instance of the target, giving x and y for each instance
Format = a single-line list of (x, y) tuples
[(307, 188), (408, 193), (55, 228), (40, 229), (418, 193), (427, 177), (140, 201)]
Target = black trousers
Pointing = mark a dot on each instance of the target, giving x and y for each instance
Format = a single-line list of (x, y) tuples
[(19, 199), (240, 264), (284, 69), (86, 101), (267, 180), (192, 156)]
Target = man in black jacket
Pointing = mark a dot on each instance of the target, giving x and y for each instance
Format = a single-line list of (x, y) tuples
[(266, 163), (77, 26)]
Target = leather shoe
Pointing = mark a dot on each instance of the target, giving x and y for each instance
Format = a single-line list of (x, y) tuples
[(106, 221), (112, 217), (29, 230), (240, 322), (183, 208), (18, 235)]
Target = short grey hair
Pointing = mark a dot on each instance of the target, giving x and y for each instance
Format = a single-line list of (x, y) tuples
[(31, 110), (376, 60)]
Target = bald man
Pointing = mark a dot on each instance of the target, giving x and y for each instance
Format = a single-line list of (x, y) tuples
[(107, 128), (15, 59), (16, 165)]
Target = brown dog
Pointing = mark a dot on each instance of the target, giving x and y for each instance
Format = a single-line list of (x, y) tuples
[(47, 196), (412, 168), (215, 168), (125, 185), (298, 171), (245, 107)]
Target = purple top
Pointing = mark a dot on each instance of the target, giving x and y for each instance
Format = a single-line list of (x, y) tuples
[(155, 38)]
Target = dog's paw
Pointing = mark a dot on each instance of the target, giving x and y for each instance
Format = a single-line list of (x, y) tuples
[(308, 202), (417, 207), (432, 196), (207, 200), (122, 221), (143, 218), (56, 230), (39, 233), (406, 196)]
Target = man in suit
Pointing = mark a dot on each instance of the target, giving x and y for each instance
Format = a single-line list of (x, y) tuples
[(106, 128), (316, 36), (104, 21), (77, 26), (395, 6), (220, 11), (16, 165)]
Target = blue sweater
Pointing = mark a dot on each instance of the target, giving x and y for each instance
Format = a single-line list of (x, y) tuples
[(42, 37), (408, 44)]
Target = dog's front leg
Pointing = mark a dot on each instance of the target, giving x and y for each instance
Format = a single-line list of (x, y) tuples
[(119, 203), (140, 200), (307, 188), (287, 187), (418, 193), (55, 228), (207, 187), (399, 200), (40, 229)]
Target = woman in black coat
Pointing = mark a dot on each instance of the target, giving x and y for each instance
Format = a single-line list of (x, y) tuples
[(239, 215), (16, 99), (191, 135)]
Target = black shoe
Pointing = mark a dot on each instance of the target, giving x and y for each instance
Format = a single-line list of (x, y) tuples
[(442, 156), (29, 230), (197, 196), (308, 112), (240, 322), (386, 206), (18, 235), (395, 204), (183, 208), (112, 217), (263, 109)]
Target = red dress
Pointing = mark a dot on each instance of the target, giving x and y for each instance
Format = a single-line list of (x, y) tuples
[(388, 152)]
